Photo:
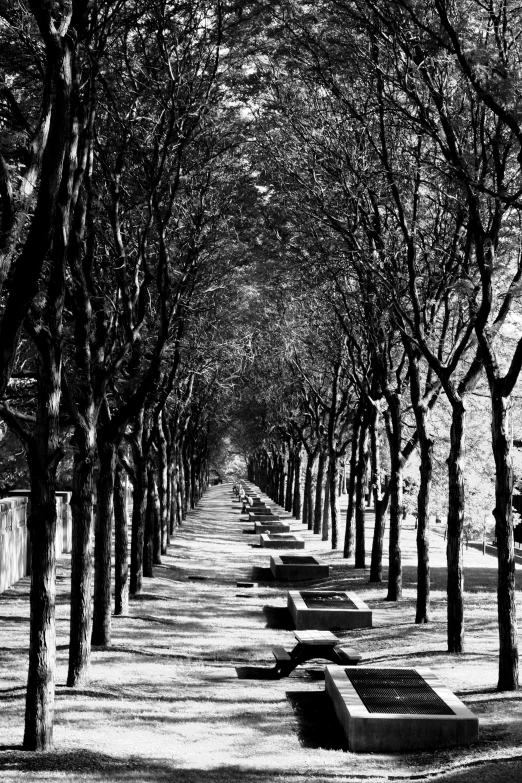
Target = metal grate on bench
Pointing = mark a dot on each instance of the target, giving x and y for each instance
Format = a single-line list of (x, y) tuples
[(395, 691)]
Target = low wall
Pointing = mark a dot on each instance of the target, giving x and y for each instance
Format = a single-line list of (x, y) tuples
[(492, 550), (14, 539)]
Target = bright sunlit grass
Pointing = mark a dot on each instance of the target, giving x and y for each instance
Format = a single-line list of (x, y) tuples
[(165, 701)]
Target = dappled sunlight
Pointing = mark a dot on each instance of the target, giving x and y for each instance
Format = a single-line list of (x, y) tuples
[(186, 690)]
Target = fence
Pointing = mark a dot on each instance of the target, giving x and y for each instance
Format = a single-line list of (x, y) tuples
[(14, 539)]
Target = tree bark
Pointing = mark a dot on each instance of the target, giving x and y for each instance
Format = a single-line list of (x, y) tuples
[(148, 540), (349, 531), (455, 526), (163, 485), (156, 518), (121, 558), (318, 511), (43, 456), (423, 520), (503, 512), (378, 504), (308, 507), (139, 507), (289, 483), (333, 478), (394, 428), (81, 558), (326, 507), (281, 499), (296, 501), (39, 701), (172, 492), (101, 623), (180, 500), (360, 488), (307, 489)]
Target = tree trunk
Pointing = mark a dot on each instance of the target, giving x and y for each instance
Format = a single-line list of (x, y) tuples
[(188, 479), (139, 508), (423, 518), (421, 410), (308, 507), (193, 484), (296, 503), (121, 558), (101, 623), (318, 511), (39, 704), (307, 489), (503, 512), (46, 239), (186, 472), (148, 542), (378, 504), (172, 491), (342, 478), (394, 427), (281, 499), (360, 489), (326, 507), (455, 526), (39, 701), (182, 501), (349, 531), (158, 531), (81, 559), (289, 483), (163, 486), (333, 478)]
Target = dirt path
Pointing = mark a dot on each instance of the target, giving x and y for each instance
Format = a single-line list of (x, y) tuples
[(177, 696)]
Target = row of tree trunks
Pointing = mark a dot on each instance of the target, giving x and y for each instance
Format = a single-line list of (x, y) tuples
[(319, 503)]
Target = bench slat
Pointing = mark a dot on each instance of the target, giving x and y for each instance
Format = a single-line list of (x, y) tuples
[(349, 655), (280, 654)]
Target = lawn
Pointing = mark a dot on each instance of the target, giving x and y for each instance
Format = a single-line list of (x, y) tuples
[(181, 695)]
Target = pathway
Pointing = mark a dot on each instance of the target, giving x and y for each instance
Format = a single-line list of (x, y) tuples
[(172, 698)]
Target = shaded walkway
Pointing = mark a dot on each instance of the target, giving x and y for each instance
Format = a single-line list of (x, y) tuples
[(165, 701)]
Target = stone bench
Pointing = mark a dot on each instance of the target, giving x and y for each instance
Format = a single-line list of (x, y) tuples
[(253, 516), (326, 609), (294, 568), (281, 541), (387, 709), (272, 527)]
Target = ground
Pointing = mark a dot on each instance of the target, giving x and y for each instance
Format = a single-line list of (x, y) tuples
[(180, 695)]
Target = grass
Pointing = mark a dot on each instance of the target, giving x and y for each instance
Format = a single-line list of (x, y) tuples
[(181, 694)]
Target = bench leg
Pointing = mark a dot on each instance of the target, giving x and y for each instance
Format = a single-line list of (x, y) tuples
[(284, 668)]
